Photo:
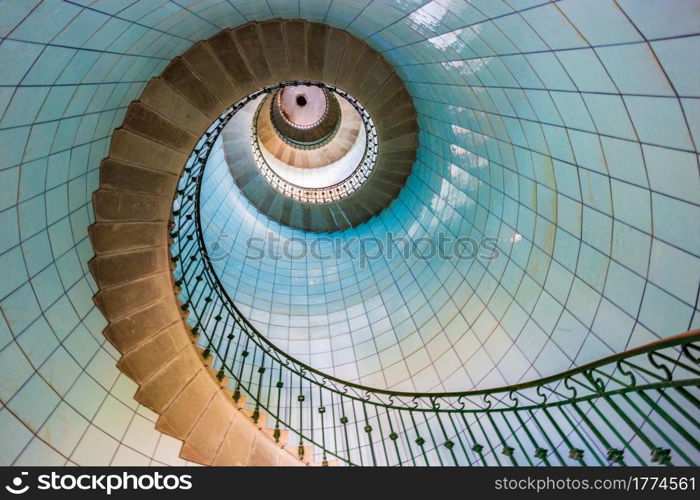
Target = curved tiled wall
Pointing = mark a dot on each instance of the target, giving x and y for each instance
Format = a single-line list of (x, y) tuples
[(575, 128), (580, 161)]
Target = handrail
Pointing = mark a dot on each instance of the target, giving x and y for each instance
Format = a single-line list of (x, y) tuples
[(644, 391), (340, 189)]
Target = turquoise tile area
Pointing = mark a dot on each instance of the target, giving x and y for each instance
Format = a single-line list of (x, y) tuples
[(568, 133)]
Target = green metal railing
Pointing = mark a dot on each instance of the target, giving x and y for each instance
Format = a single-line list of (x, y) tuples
[(639, 407)]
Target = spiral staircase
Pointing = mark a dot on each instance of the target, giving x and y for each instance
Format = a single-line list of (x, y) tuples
[(138, 180), (180, 365), (207, 371)]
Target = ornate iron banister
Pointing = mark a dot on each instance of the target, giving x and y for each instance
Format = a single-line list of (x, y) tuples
[(340, 189), (641, 406)]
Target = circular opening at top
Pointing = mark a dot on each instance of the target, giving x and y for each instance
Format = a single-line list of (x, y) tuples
[(311, 182)]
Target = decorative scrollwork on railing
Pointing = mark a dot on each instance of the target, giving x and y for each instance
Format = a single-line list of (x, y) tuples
[(338, 190), (661, 366), (590, 414)]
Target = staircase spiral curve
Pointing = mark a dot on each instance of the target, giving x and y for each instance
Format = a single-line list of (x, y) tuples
[(130, 236), (162, 351)]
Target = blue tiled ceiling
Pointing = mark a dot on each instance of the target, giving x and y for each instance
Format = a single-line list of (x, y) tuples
[(568, 130)]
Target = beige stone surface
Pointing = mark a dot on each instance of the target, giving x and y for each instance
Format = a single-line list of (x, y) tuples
[(178, 418), (121, 300), (124, 236), (249, 40), (179, 75), (272, 39), (129, 331), (228, 53), (316, 37), (148, 357), (139, 150), (133, 206), (166, 383), (295, 37), (170, 103), (204, 440), (146, 122), (117, 268), (119, 206), (123, 176), (211, 72)]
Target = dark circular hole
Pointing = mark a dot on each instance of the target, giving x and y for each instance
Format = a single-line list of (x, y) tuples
[(301, 100)]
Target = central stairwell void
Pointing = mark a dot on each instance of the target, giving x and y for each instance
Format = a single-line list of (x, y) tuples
[(277, 116)]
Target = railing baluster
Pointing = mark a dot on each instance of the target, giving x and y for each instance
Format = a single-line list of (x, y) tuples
[(494, 453), (404, 433), (368, 431), (545, 435), (658, 390), (322, 411), (575, 453)]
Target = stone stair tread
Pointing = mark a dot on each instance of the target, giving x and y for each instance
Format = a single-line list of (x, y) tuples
[(226, 50), (133, 207), (170, 103), (201, 59), (250, 44), (147, 122), (181, 77)]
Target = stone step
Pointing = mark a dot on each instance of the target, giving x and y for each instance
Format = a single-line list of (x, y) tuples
[(146, 358), (366, 64), (118, 268), (375, 80), (138, 150), (119, 206), (275, 206), (164, 385), (228, 53), (295, 38), (241, 447), (120, 175), (149, 123), (390, 87), (206, 437), (111, 237), (354, 48), (179, 416), (395, 111), (335, 48), (170, 103), (122, 300), (408, 141), (316, 40), (201, 59), (249, 41), (181, 77), (273, 44), (131, 330)]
